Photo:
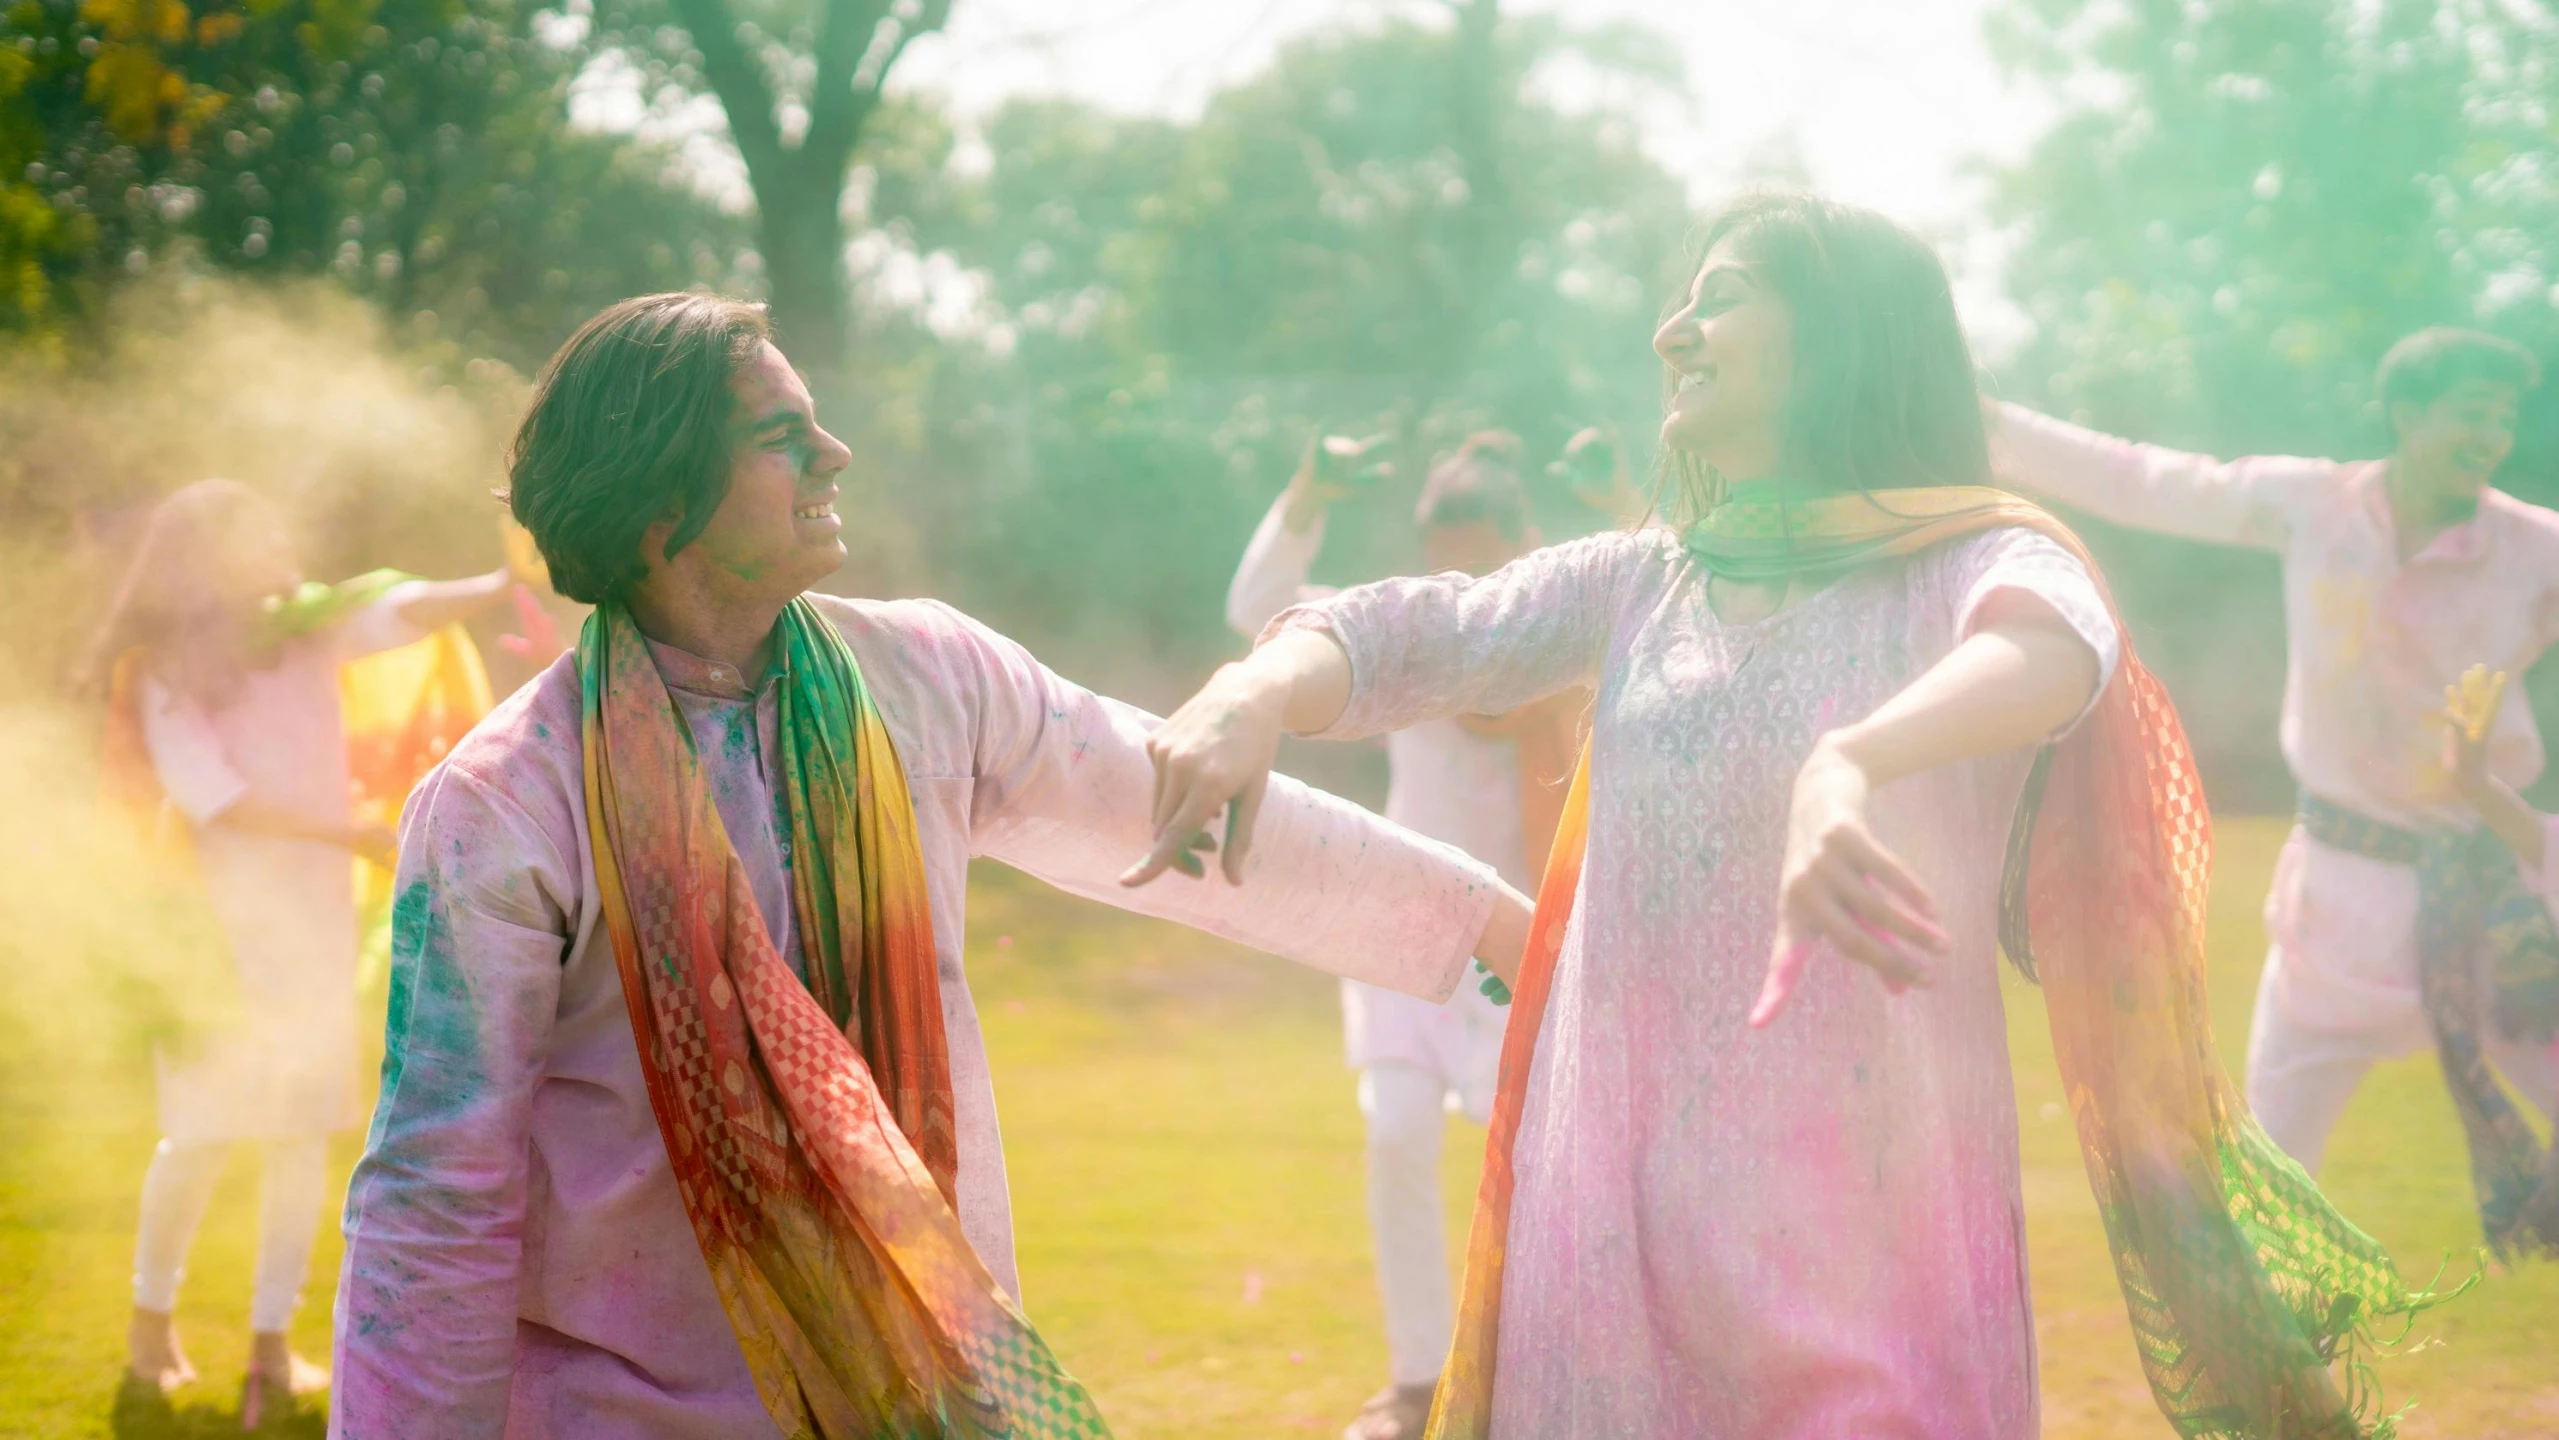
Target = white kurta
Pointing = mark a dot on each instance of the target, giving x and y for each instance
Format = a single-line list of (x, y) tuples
[(518, 1260), (2373, 641), (1443, 781), (1808, 1232), (286, 907)]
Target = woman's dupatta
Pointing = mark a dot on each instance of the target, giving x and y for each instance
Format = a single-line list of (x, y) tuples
[(809, 1125), (2243, 1283)]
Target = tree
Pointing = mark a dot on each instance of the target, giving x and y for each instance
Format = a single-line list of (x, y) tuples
[(418, 150), (1185, 304), (798, 90)]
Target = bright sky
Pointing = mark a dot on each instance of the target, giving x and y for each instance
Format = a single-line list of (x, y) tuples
[(1886, 100)]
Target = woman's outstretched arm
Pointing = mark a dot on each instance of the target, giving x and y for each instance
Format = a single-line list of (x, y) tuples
[(2023, 674), (1377, 658), (1220, 746)]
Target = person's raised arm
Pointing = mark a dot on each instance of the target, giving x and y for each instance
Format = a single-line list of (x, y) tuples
[(433, 604), (427, 1297), (2228, 502), (2030, 662), (1272, 575)]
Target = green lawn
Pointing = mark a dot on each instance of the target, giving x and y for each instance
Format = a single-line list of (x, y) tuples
[(1185, 1158)]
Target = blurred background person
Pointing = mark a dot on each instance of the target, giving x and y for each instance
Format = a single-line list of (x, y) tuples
[(227, 731), (2398, 573), (1491, 785)]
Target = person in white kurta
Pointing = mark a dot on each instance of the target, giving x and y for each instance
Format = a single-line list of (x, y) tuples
[(519, 1259), (285, 1074), (1414, 1058), (246, 747), (2379, 622)]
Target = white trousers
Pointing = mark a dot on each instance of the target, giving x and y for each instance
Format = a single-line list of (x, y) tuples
[(178, 1187), (1407, 1111), (2300, 1074)]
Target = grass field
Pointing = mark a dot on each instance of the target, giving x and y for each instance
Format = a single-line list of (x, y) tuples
[(1185, 1163)]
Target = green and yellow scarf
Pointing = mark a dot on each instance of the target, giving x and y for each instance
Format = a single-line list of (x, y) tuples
[(2244, 1284), (809, 1125)]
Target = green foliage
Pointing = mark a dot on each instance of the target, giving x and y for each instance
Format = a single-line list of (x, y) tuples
[(2246, 203), (418, 150), (2241, 205), (1331, 246)]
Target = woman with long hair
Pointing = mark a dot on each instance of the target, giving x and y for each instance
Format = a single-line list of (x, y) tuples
[(1860, 720), (221, 667)]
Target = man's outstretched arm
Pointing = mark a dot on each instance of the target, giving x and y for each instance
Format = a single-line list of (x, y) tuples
[(435, 1213), (1066, 792), (2149, 487)]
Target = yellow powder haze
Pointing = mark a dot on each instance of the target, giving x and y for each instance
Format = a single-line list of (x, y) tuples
[(299, 392)]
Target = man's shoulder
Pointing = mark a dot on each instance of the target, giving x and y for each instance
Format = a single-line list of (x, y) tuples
[(2537, 524), (528, 750), (927, 644)]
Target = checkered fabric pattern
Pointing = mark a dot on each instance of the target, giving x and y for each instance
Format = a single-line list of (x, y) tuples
[(859, 1303)]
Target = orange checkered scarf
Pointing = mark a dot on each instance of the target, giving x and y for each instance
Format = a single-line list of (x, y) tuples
[(809, 1124)]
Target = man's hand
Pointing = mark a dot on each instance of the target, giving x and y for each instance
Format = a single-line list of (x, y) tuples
[(1841, 886), (1335, 466)]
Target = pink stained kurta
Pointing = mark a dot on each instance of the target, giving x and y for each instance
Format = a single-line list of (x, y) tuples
[(2373, 642), (1802, 1233), (518, 1260), (286, 906)]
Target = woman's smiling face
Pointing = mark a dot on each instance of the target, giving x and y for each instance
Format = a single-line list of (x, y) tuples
[(1732, 350)]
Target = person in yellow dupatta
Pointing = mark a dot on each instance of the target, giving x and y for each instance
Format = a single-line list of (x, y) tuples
[(1861, 708), (263, 730)]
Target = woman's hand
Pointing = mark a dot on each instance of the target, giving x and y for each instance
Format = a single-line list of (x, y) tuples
[(1215, 753), (1841, 886)]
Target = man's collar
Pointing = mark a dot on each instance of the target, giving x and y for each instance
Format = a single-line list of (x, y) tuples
[(684, 670), (2462, 541)]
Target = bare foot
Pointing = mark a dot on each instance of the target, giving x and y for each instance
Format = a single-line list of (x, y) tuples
[(156, 1360), (276, 1375)]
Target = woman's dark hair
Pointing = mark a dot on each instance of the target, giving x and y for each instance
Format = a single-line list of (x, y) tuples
[(1477, 483), (630, 424), (1883, 393)]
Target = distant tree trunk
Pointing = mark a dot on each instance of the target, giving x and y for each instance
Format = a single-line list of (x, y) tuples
[(799, 189), (800, 233), (1482, 243)]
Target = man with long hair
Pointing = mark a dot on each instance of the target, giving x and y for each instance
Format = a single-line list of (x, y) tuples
[(686, 1127), (2399, 574)]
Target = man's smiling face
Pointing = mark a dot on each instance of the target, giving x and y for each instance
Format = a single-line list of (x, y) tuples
[(776, 532)]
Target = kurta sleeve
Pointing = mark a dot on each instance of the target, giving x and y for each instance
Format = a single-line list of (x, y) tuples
[(1064, 790), (2229, 502), (426, 1310), (1272, 576), (187, 754), (1432, 647), (2017, 562)]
